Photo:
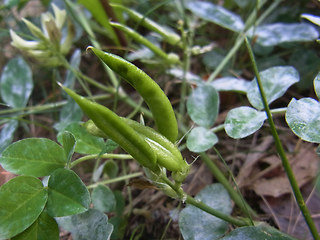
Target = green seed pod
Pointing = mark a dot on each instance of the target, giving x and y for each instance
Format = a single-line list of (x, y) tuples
[(153, 95), (169, 36), (170, 58), (117, 130)]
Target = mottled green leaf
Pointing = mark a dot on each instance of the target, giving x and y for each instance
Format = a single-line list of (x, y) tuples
[(216, 14), (86, 143), (178, 73), (36, 157), (276, 33), (275, 82), (74, 62), (231, 84), (67, 194), (196, 224), (257, 232), (316, 85), (201, 139), (303, 117), (7, 133), (16, 83), (22, 199), (91, 224), (203, 105), (44, 228), (103, 199), (243, 121)]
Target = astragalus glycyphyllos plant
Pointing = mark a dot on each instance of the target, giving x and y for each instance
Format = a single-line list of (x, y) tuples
[(48, 193)]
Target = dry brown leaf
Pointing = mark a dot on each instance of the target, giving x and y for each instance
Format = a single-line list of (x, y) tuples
[(243, 178), (304, 165)]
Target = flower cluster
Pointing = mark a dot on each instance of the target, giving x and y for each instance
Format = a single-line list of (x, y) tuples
[(50, 43)]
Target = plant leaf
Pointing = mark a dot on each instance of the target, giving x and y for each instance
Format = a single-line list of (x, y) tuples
[(67, 194), (103, 199), (196, 224), (190, 77), (203, 105), (22, 199), (86, 143), (36, 157), (316, 85), (68, 143), (7, 134), (276, 33), (91, 224), (312, 18), (201, 139), (16, 83), (44, 228), (303, 117), (216, 14), (231, 84), (243, 121), (74, 62), (275, 82), (257, 232)]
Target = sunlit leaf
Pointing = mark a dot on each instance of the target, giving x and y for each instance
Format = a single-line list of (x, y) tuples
[(257, 232), (36, 157), (196, 224), (216, 14), (91, 224), (275, 82), (312, 18), (16, 83), (231, 84), (303, 117), (44, 228), (203, 105), (201, 139), (22, 199), (276, 33), (67, 194), (243, 121), (103, 199), (7, 134)]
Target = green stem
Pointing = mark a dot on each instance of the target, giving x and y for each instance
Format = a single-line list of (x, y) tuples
[(94, 156), (235, 196), (44, 107), (235, 221), (118, 179), (190, 200), (285, 163)]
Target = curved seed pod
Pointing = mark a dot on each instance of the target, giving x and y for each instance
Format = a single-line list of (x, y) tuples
[(168, 155), (153, 95), (167, 35), (116, 129)]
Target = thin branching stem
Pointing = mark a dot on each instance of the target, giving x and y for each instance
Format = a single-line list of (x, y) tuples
[(285, 163)]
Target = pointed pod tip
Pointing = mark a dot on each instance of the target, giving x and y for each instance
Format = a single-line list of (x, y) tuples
[(89, 48)]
